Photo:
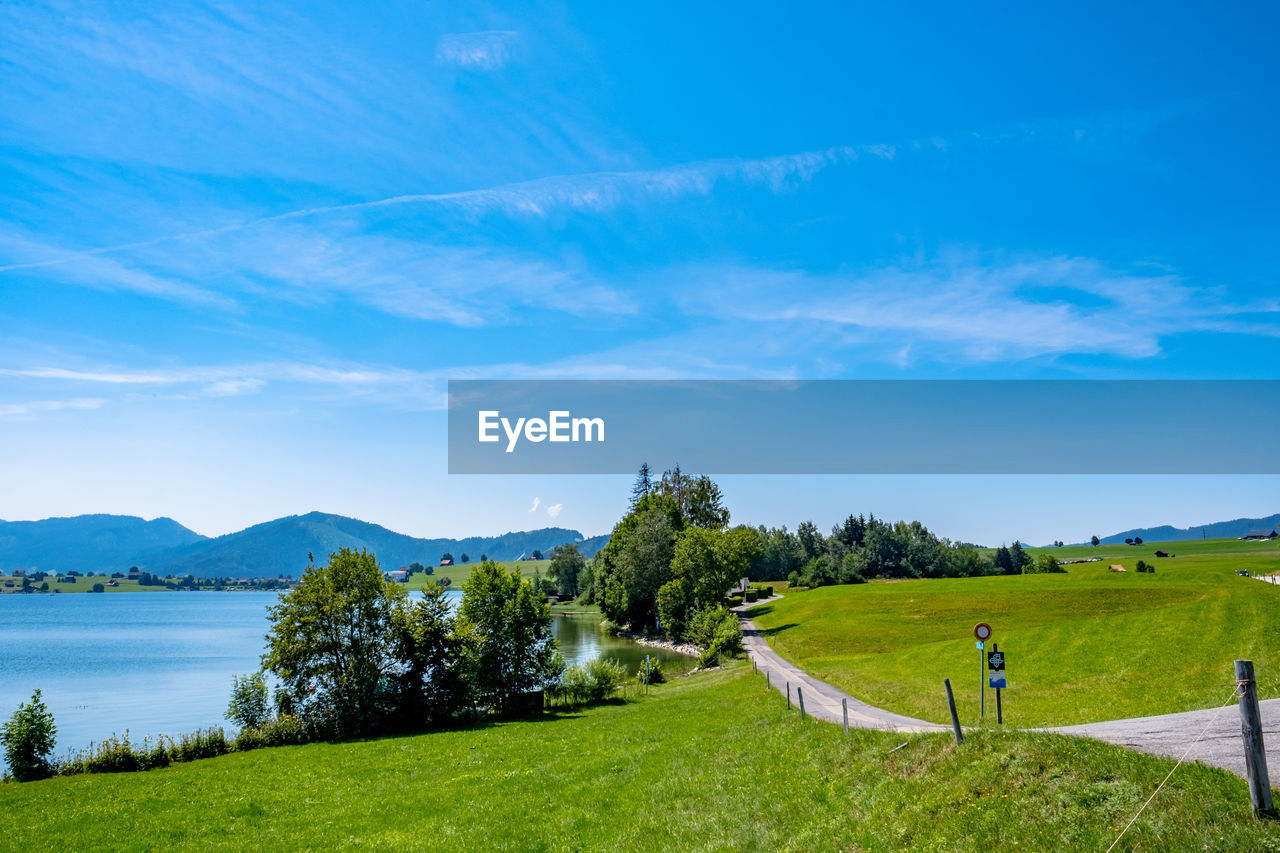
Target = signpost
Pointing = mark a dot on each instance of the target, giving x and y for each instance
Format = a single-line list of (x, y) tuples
[(983, 632), (996, 676)]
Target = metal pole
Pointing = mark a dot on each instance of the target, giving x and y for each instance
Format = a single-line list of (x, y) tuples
[(1255, 755), (982, 684), (788, 695), (999, 710), (844, 705), (800, 696)]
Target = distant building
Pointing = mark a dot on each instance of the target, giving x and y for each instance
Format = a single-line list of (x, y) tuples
[(400, 576), (1162, 553), (17, 573), (446, 562), (1260, 535)]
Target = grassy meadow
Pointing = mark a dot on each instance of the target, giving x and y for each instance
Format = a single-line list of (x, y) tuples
[(708, 762), (1084, 646)]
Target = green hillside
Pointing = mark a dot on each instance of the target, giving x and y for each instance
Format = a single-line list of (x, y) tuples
[(710, 762), (1087, 645)]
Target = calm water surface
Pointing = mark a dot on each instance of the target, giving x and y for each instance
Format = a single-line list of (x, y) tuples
[(161, 662)]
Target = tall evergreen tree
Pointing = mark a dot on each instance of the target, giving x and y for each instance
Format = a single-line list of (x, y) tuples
[(643, 485)]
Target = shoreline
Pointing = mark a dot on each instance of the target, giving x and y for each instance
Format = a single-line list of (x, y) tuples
[(671, 646)]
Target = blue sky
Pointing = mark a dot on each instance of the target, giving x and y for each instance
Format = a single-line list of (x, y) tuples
[(242, 248)]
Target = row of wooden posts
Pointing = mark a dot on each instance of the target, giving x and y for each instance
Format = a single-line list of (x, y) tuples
[(1255, 755)]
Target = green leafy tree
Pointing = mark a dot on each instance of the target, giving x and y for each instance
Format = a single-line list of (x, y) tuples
[(466, 558), (1045, 564), (28, 738), (433, 681), (446, 556), (704, 503), (567, 564), (250, 705), (1094, 541), (331, 643), (507, 625)]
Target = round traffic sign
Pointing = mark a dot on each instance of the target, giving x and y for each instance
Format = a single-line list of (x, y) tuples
[(982, 630)]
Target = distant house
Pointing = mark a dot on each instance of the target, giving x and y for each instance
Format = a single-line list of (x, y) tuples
[(446, 562), (8, 583), (69, 579), (1116, 567), (113, 583), (134, 574), (1260, 535), (400, 576), (1162, 553), (17, 573)]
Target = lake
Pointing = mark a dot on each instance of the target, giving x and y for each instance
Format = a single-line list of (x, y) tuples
[(161, 662)]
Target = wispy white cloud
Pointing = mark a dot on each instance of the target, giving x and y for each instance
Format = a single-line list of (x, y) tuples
[(978, 309), (484, 51), (18, 411), (536, 503), (553, 511)]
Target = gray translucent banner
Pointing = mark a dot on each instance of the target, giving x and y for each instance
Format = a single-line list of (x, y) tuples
[(864, 427)]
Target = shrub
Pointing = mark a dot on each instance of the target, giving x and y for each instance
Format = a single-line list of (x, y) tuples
[(594, 681), (248, 707), (753, 595), (249, 739), (284, 730), (605, 675), (655, 674), (28, 739), (717, 632), (205, 743)]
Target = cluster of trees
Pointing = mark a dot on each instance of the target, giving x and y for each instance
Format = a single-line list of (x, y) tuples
[(670, 560), (354, 656)]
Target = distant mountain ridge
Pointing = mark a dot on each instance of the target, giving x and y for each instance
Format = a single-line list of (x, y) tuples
[(1234, 529), (87, 542), (113, 543)]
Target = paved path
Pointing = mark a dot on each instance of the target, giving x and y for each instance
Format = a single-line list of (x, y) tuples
[(821, 700), (1168, 735)]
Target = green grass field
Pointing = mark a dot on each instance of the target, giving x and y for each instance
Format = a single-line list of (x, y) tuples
[(709, 762), (1083, 646)]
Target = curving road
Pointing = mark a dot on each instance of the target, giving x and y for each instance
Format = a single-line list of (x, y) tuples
[(1168, 735)]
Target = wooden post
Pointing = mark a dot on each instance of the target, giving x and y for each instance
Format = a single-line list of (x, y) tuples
[(767, 685), (1255, 756), (800, 696), (788, 695), (844, 706), (955, 718)]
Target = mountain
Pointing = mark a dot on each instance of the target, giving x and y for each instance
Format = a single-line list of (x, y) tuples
[(87, 543), (1234, 529), (281, 547)]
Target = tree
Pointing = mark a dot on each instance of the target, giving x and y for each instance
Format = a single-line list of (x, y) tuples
[(416, 567), (28, 738), (811, 544), (1094, 541), (537, 555), (484, 558), (249, 707), (1137, 540), (508, 628), (1003, 561), (567, 564), (703, 503), (446, 557), (97, 587), (1045, 564), (331, 643), (643, 485), (433, 683), (466, 558), (1018, 557)]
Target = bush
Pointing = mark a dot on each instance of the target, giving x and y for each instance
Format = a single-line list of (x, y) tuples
[(753, 595), (28, 739), (594, 681), (205, 743), (606, 676), (249, 707), (655, 674), (284, 730), (717, 632)]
